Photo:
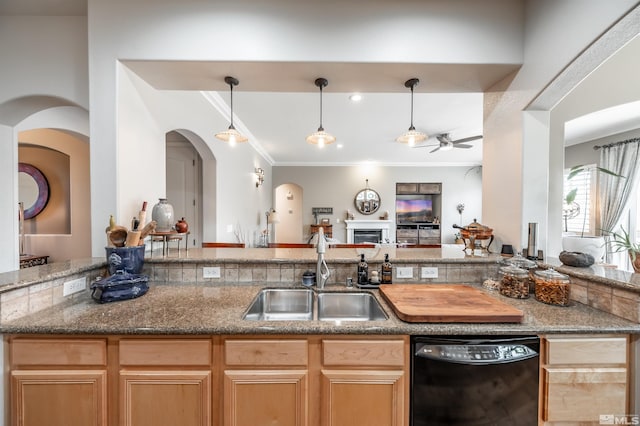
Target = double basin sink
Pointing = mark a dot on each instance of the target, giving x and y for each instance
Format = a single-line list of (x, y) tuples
[(301, 304)]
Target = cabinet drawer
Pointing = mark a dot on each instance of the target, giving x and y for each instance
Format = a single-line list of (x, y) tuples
[(363, 352), (429, 233), (165, 352), (266, 352), (407, 233), (582, 394), (59, 352), (587, 350)]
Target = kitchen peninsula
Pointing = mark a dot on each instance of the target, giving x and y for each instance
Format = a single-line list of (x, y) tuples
[(184, 343)]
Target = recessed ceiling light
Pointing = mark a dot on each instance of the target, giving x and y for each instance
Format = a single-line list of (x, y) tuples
[(356, 97)]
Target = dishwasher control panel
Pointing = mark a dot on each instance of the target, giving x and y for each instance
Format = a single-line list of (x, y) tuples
[(475, 354)]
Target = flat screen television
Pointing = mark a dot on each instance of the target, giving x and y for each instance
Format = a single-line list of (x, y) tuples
[(414, 210)]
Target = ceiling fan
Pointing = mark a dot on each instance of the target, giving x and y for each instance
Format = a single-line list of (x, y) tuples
[(445, 142)]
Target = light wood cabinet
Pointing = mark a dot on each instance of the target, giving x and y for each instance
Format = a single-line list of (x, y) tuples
[(582, 378), (266, 382), (58, 382), (165, 382), (364, 382)]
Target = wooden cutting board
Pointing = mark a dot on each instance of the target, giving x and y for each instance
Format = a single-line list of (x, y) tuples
[(447, 303)]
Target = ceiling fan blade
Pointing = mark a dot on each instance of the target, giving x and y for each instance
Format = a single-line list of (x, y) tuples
[(469, 139), (461, 145), (434, 150), (425, 146)]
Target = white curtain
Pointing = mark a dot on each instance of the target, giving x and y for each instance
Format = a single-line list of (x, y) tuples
[(613, 192)]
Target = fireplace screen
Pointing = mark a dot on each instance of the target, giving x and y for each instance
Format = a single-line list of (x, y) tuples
[(367, 236)]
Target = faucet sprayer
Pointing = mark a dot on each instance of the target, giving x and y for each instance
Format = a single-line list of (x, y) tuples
[(322, 270)]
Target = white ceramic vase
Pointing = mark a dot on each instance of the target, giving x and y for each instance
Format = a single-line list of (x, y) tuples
[(595, 246), (162, 213)]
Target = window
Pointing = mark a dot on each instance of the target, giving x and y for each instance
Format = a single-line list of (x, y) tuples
[(580, 216)]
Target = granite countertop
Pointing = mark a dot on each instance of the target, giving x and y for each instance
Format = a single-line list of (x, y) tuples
[(218, 309)]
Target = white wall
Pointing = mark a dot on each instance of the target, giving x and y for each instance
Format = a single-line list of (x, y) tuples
[(337, 186)]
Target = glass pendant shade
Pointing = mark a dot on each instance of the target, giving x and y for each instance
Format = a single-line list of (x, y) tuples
[(321, 138), (411, 136), (231, 135)]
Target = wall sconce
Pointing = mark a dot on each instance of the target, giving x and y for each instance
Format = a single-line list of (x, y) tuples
[(259, 176)]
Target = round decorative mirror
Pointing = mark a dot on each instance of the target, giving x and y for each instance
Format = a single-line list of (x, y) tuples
[(367, 201), (33, 189)]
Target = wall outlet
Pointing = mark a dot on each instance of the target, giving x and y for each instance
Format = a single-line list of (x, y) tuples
[(429, 272), (74, 286), (211, 272), (404, 272)]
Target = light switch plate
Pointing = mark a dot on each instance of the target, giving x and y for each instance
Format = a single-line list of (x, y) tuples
[(211, 272), (429, 272), (404, 272)]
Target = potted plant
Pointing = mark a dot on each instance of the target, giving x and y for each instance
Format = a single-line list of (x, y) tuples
[(581, 243), (621, 241)]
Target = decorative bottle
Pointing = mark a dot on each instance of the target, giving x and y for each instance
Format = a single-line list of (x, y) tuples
[(387, 270), (162, 213), (363, 271)]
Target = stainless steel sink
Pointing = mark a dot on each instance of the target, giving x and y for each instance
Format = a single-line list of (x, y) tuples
[(349, 307), (294, 304), (281, 304)]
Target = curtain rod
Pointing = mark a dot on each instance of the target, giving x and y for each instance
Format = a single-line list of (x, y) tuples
[(609, 145)]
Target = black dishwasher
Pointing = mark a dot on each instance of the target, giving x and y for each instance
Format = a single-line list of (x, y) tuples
[(474, 380)]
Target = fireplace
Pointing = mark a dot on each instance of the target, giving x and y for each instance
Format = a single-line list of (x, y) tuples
[(367, 236), (371, 231)]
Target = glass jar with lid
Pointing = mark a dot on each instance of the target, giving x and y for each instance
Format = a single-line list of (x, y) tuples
[(552, 287), (514, 282), (522, 262)]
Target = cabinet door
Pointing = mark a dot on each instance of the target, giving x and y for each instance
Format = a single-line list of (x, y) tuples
[(265, 397), (363, 398), (165, 398), (583, 394), (430, 188), (406, 188), (59, 397)]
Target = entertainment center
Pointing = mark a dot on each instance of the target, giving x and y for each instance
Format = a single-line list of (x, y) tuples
[(418, 207)]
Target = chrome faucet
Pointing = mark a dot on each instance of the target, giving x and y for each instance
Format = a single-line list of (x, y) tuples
[(322, 270)]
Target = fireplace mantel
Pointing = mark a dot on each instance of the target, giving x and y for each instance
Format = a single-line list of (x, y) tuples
[(383, 225)]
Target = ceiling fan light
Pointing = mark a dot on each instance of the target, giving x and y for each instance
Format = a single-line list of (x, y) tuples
[(447, 146)]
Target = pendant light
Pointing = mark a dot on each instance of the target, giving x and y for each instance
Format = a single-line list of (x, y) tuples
[(412, 136), (231, 135), (321, 138)]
